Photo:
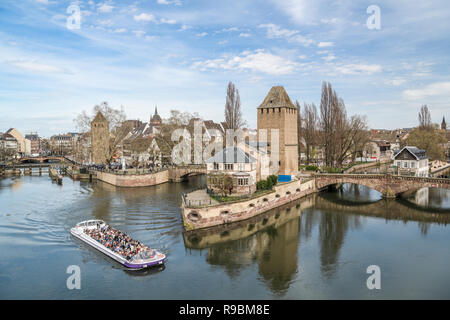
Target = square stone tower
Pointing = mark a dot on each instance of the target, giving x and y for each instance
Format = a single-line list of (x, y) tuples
[(278, 112), (100, 139)]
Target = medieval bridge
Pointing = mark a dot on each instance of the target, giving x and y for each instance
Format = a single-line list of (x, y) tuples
[(388, 185), (179, 173)]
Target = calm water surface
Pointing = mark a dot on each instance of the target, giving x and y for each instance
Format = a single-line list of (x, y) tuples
[(315, 248)]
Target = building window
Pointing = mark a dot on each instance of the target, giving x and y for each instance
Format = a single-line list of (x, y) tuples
[(413, 165), (216, 166), (398, 164), (241, 167), (405, 164), (243, 181), (228, 166)]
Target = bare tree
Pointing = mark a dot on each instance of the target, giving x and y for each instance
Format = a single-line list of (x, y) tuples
[(341, 136), (425, 118), (233, 114), (299, 129), (115, 117), (309, 128)]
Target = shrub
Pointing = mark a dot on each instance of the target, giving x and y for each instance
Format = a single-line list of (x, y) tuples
[(268, 183), (261, 185), (311, 168)]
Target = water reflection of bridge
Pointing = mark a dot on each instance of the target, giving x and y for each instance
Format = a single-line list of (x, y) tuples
[(272, 240)]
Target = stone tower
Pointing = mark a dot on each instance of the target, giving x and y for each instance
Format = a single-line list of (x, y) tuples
[(100, 139), (443, 124), (278, 112)]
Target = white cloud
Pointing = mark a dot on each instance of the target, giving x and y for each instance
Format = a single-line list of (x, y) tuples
[(274, 31), (148, 17), (104, 7), (395, 82), (167, 2), (329, 57), (168, 21), (256, 61), (245, 35), (325, 44), (203, 34), (300, 11), (230, 29), (120, 30), (330, 21), (139, 33), (107, 22), (43, 1), (355, 69), (184, 28), (37, 67), (437, 89), (145, 17)]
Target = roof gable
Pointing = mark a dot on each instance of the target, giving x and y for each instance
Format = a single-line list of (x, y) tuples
[(277, 98), (231, 155)]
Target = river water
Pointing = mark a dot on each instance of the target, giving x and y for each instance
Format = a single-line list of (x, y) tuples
[(315, 248)]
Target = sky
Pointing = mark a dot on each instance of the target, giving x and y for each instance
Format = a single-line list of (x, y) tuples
[(181, 54)]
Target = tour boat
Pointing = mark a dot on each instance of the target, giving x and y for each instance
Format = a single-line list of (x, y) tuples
[(148, 258)]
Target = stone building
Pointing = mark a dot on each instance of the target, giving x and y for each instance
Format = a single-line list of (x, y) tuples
[(100, 139), (278, 112)]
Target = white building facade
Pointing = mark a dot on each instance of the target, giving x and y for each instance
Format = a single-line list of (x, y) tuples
[(412, 161)]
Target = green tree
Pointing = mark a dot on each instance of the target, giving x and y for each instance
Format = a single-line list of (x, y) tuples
[(428, 139)]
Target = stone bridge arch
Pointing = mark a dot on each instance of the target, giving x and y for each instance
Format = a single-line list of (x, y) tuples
[(374, 182), (180, 173), (388, 185)]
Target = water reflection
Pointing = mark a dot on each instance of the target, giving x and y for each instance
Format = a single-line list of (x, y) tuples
[(272, 241), (430, 198), (312, 248)]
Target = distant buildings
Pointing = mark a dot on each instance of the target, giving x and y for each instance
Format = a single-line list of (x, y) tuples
[(9, 146), (412, 161), (35, 143), (378, 150)]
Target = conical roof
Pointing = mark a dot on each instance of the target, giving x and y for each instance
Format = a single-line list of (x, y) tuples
[(277, 98), (99, 117), (156, 117)]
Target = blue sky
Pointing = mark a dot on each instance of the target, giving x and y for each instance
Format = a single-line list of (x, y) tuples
[(180, 54)]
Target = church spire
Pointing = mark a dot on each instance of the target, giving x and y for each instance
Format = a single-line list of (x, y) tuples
[(443, 124), (156, 109)]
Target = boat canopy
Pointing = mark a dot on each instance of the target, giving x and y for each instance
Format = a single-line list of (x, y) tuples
[(90, 223)]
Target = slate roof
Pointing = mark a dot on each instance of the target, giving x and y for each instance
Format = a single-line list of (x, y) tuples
[(419, 154), (231, 155)]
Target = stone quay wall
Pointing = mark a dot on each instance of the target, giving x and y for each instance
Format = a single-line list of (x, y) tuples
[(131, 180), (208, 216)]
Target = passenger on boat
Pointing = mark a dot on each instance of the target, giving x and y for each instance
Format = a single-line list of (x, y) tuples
[(119, 242)]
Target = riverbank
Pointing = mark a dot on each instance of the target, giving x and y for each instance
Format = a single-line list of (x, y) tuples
[(197, 217)]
